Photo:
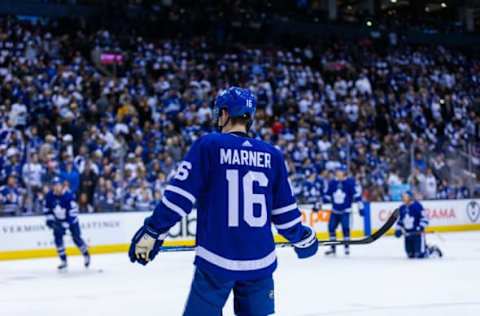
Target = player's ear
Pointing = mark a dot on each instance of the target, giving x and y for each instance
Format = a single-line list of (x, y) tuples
[(224, 115)]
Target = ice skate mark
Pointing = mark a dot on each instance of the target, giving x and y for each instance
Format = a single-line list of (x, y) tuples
[(79, 273), (21, 278)]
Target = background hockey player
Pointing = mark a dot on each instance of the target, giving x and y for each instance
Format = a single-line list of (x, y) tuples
[(11, 196), (412, 223), (61, 211), (240, 186), (342, 192), (313, 188)]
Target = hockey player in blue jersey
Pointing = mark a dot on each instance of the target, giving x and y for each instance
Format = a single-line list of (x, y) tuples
[(412, 223), (312, 189), (342, 192), (240, 186), (11, 196), (61, 211)]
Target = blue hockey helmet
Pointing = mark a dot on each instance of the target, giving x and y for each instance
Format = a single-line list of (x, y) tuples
[(341, 168), (237, 102), (56, 180), (409, 193)]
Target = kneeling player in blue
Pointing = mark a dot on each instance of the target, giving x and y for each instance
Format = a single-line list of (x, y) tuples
[(61, 211), (342, 192), (412, 223), (240, 186)]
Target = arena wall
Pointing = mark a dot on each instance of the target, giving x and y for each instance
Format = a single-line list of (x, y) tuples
[(444, 215), (28, 237)]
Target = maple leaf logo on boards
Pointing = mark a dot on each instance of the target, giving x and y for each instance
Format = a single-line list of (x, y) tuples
[(473, 211)]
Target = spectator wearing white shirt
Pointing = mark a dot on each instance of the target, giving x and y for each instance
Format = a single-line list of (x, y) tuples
[(305, 103), (430, 185), (324, 144), (61, 99), (363, 85), (340, 87), (32, 173), (18, 114), (204, 113), (351, 109), (161, 86), (393, 179), (132, 166)]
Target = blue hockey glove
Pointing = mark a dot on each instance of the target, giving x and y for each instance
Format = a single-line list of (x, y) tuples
[(361, 211), (51, 223), (57, 226), (308, 246), (317, 207), (398, 233), (361, 208), (419, 228), (146, 243)]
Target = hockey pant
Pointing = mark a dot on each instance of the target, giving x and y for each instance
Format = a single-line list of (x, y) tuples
[(58, 233), (209, 293), (334, 221)]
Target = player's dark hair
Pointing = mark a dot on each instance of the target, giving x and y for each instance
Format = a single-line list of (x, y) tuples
[(244, 119)]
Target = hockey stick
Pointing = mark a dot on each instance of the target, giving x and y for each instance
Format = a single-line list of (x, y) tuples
[(361, 241), (366, 240)]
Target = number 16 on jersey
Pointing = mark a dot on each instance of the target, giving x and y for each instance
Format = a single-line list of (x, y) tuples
[(249, 198)]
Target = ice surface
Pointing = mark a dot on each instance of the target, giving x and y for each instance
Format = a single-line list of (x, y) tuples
[(375, 280)]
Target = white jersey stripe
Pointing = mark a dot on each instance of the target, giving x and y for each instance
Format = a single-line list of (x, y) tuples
[(306, 242), (174, 207), (235, 265), (284, 209), (181, 192), (347, 210), (289, 224)]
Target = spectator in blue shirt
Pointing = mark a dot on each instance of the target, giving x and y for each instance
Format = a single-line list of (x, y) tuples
[(70, 174)]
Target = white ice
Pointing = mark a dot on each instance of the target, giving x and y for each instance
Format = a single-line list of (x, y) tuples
[(376, 279)]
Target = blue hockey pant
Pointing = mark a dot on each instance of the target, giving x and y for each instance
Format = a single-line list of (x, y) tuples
[(59, 232), (415, 245), (334, 221), (209, 293)]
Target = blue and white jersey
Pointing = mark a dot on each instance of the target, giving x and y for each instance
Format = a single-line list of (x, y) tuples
[(296, 186), (342, 194), (445, 193), (11, 199), (320, 184), (412, 218), (462, 192), (240, 186), (312, 191), (62, 208), (129, 200), (143, 203)]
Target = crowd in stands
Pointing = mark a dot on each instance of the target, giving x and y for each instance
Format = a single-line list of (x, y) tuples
[(115, 140), (231, 15)]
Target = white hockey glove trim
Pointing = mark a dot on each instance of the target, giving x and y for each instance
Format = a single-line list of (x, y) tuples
[(145, 245)]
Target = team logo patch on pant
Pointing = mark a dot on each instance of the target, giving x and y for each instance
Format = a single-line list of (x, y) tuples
[(473, 211), (271, 294)]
